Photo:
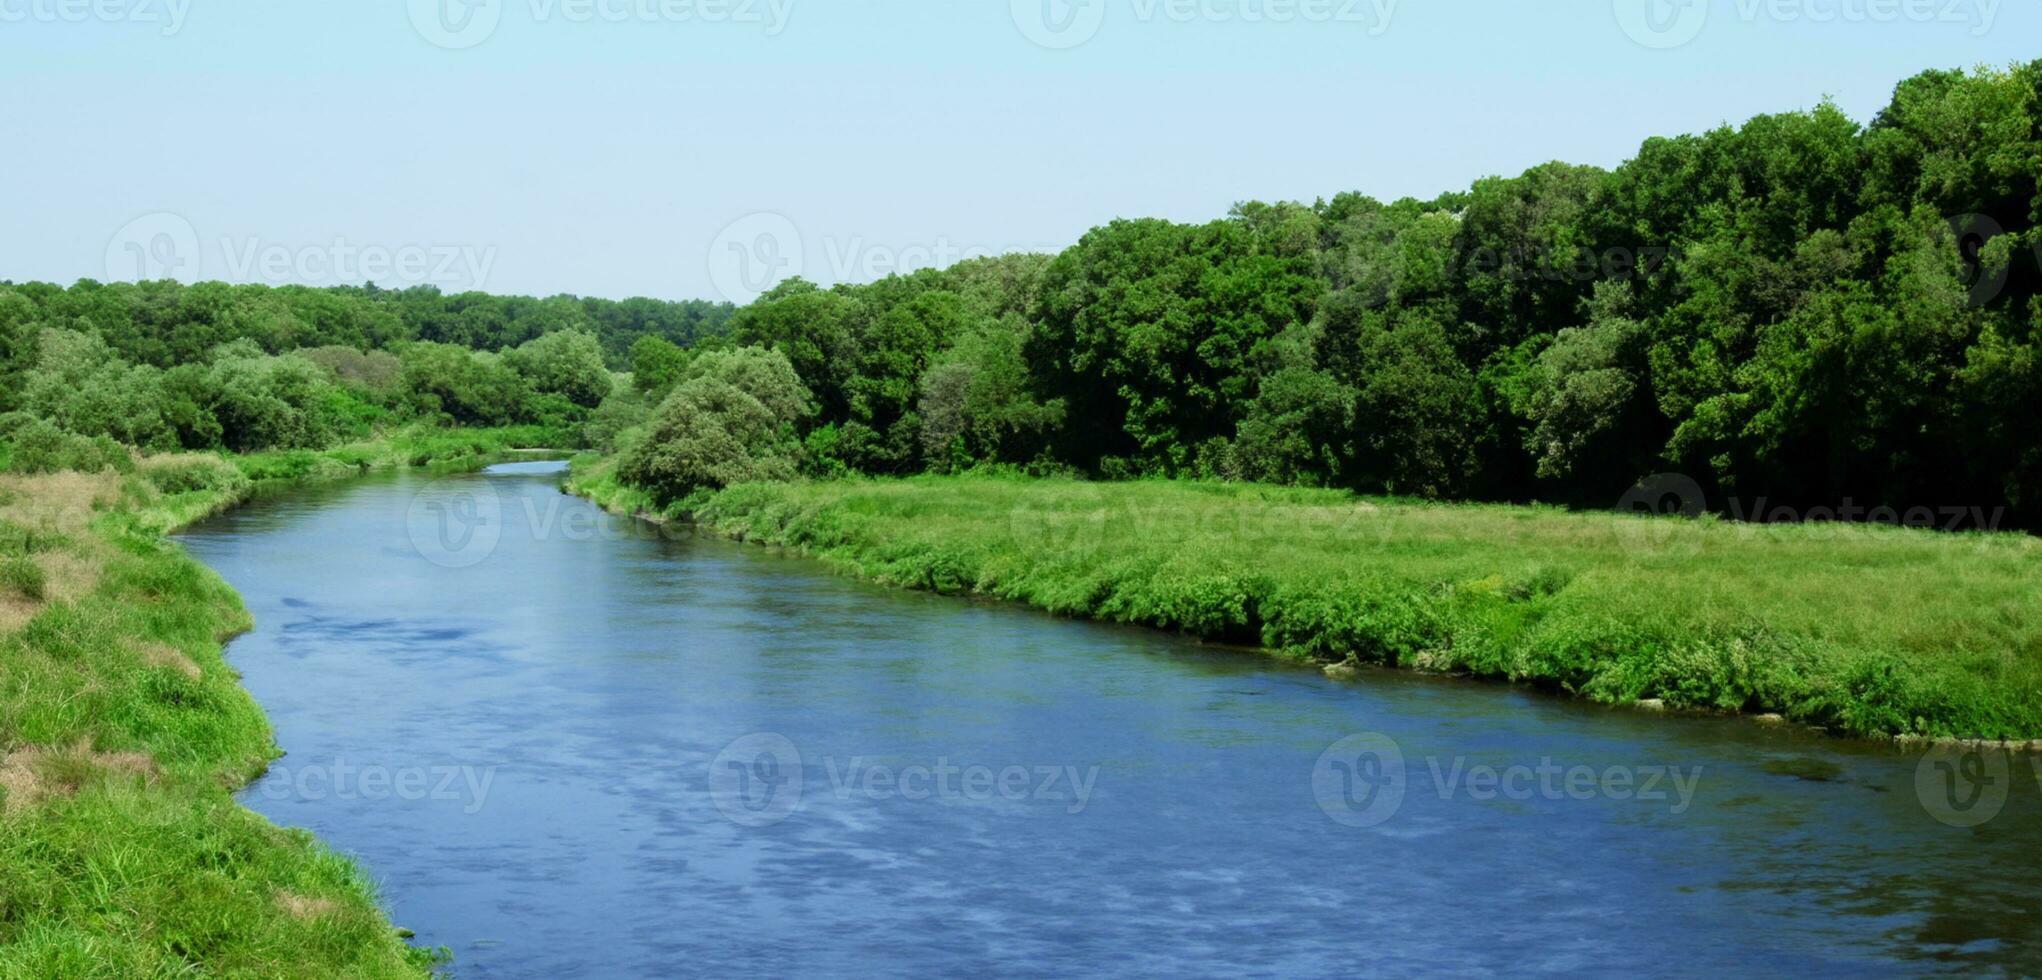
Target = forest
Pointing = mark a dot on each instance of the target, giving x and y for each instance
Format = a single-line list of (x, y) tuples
[(1804, 311)]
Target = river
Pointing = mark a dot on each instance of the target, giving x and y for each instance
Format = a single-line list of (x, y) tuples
[(566, 744)]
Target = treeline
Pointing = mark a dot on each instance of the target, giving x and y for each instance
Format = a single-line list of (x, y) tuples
[(1803, 309), (1801, 312), (163, 366)]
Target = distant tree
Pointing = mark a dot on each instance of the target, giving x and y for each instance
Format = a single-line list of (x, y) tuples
[(568, 363), (656, 365)]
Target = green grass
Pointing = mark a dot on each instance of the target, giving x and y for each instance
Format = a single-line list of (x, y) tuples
[(1865, 630), (123, 733)]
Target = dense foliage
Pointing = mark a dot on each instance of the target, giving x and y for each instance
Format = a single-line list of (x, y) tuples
[(730, 419), (163, 366), (1802, 311)]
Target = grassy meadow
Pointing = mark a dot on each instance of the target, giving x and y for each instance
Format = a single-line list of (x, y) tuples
[(123, 733), (1861, 629)]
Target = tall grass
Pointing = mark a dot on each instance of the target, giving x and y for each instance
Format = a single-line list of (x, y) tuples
[(1867, 630)]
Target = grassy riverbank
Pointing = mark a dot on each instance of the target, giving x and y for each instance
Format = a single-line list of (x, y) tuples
[(123, 733), (1865, 630)]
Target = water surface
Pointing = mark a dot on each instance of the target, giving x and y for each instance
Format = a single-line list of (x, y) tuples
[(566, 746)]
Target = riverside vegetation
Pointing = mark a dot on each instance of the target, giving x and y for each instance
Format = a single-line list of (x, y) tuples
[(1861, 629), (125, 733), (1804, 308)]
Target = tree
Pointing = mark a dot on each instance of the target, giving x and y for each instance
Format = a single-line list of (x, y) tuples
[(656, 365), (731, 420), (568, 363)]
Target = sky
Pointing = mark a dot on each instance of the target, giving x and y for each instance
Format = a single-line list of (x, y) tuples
[(704, 148)]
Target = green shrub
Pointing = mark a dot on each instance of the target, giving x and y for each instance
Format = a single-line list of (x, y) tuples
[(567, 363), (731, 420), (40, 447), (194, 472)]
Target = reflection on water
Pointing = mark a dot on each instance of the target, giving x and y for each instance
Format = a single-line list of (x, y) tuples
[(567, 746)]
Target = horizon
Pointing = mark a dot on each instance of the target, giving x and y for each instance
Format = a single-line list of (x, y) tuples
[(1048, 134)]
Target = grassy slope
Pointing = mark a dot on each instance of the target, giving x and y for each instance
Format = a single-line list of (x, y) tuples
[(123, 732), (1865, 630)]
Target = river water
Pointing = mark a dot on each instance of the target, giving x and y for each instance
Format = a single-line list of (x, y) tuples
[(569, 745)]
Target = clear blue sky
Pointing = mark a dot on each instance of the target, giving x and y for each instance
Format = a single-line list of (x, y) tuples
[(601, 146)]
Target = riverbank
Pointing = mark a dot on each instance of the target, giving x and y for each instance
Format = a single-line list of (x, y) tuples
[(124, 733), (1861, 630)]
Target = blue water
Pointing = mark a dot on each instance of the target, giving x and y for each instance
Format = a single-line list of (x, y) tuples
[(569, 745)]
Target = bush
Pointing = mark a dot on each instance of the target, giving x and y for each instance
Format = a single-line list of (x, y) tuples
[(40, 447), (367, 371), (624, 409), (466, 387), (192, 473), (731, 420), (567, 363)]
